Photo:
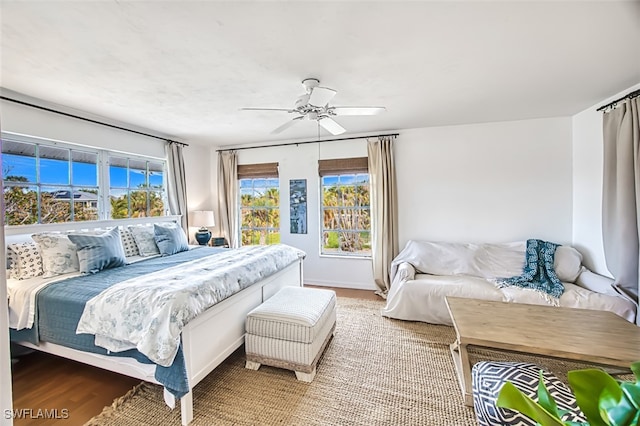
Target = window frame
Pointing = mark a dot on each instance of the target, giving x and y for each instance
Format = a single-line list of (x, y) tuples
[(253, 172), (102, 175), (128, 188), (338, 174)]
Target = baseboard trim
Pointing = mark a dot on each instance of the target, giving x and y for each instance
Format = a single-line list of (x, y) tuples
[(341, 284)]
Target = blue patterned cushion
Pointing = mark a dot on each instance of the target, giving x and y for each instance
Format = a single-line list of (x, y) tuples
[(98, 252), (489, 377), (170, 238)]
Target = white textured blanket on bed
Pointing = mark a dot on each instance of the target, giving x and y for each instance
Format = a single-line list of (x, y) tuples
[(149, 312)]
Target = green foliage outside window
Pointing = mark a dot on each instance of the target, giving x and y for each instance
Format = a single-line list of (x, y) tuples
[(260, 211), (346, 215)]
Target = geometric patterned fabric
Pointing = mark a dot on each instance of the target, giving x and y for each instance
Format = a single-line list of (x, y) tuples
[(128, 243), (488, 378), (538, 273), (25, 259)]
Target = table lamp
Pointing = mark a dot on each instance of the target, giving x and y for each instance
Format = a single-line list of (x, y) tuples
[(203, 219)]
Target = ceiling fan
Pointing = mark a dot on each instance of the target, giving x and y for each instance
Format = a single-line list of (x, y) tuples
[(314, 105)]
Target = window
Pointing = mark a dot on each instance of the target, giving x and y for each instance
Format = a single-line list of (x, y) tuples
[(47, 182), (135, 187), (259, 203), (346, 224)]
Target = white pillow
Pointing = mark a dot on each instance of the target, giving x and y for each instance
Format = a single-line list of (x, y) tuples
[(26, 261), (145, 239), (59, 254)]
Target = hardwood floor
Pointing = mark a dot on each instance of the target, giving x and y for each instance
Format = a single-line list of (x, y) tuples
[(76, 392)]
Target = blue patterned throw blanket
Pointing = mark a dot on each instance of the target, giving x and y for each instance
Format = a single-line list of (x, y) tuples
[(538, 273)]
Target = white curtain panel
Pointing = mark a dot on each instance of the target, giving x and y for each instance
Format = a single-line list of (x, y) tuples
[(177, 184), (384, 210), (621, 195), (228, 196)]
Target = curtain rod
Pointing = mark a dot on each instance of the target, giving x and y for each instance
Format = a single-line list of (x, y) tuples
[(631, 95), (89, 120), (304, 143)]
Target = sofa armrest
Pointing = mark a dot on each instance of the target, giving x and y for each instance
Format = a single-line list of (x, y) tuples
[(406, 272), (596, 282)]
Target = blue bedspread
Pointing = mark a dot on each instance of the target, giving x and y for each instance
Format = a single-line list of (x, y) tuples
[(59, 307)]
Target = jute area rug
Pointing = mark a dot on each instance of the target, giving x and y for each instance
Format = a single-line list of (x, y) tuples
[(375, 371)]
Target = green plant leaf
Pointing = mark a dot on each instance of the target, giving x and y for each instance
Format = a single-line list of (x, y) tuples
[(511, 397), (593, 387), (545, 400), (635, 368), (631, 391), (622, 412)]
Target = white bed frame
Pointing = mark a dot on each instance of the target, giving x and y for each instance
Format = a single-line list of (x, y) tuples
[(206, 341)]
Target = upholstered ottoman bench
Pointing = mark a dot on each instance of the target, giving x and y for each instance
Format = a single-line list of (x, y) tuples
[(291, 330), (488, 377)]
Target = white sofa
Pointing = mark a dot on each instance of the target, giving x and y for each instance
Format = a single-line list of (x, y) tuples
[(424, 273)]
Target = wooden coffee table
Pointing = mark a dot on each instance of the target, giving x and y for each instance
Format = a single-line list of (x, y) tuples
[(594, 337)]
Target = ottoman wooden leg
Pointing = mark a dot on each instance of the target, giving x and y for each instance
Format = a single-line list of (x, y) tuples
[(252, 365), (306, 377)]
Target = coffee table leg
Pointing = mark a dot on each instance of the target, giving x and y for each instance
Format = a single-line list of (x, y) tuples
[(463, 371)]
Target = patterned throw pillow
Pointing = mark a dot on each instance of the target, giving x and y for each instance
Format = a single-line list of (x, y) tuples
[(488, 378), (25, 260), (170, 238), (128, 243), (98, 252), (59, 254), (145, 239)]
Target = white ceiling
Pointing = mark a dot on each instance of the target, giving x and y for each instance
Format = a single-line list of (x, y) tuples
[(184, 68)]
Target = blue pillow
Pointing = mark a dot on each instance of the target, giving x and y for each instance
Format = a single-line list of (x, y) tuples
[(98, 252), (170, 238)]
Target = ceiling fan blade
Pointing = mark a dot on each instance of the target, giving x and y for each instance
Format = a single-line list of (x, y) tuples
[(267, 109), (357, 110), (320, 96), (331, 126), (286, 125)]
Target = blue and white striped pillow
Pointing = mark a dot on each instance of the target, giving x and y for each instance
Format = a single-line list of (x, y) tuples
[(98, 252)]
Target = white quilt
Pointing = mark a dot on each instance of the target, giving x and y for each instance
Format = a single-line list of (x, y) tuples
[(148, 313)]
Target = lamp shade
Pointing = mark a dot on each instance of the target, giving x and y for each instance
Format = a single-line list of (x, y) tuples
[(202, 218)]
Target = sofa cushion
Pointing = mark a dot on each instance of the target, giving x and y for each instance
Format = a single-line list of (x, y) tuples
[(567, 263), (477, 260)]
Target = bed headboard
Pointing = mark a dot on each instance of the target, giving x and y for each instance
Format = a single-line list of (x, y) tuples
[(21, 233)]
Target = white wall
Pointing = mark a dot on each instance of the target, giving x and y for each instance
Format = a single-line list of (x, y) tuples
[(587, 184), (33, 122), (199, 176), (301, 162), (492, 182)]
